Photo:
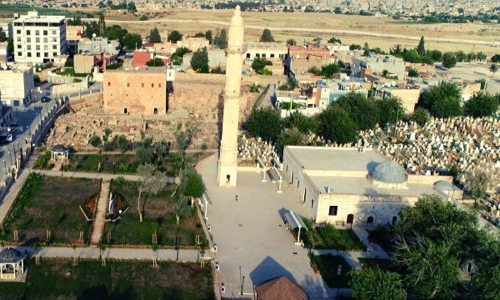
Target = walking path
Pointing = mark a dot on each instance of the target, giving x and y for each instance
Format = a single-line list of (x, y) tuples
[(11, 195), (188, 255), (103, 176), (100, 215)]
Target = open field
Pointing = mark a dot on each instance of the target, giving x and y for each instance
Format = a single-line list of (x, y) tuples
[(117, 280), (158, 216), (52, 203)]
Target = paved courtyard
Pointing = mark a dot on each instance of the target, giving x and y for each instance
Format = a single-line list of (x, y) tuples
[(253, 245)]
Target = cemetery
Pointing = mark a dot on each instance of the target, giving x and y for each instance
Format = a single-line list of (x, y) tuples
[(159, 225), (117, 280), (51, 210)]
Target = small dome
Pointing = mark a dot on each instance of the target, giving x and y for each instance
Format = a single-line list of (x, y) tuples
[(444, 186), (59, 148), (237, 20), (389, 172), (10, 255)]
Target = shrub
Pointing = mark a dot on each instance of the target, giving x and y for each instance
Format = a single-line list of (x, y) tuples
[(413, 73)]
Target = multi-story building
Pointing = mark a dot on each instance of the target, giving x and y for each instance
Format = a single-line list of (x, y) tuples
[(136, 91), (98, 45), (192, 43), (38, 39), (16, 83), (265, 50), (73, 36)]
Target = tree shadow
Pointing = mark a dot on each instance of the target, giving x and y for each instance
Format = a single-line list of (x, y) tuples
[(95, 292)]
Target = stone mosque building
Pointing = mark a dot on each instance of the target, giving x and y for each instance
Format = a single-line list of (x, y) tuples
[(356, 185)]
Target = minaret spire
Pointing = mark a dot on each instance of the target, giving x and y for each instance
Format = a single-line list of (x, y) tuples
[(227, 166)]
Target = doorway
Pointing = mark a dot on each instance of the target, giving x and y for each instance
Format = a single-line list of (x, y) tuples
[(369, 220), (228, 178), (350, 219), (125, 110), (305, 196)]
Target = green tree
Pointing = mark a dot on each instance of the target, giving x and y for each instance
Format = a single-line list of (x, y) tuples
[(478, 183), (266, 37), (151, 181), (264, 123), (289, 137), (303, 123), (495, 58), (154, 36), (443, 100), (102, 24), (413, 73), (3, 36), (131, 7), (259, 64), (354, 47), (116, 32), (144, 18), (493, 69), (182, 208), (194, 186), (291, 42), (461, 56), (174, 36), (178, 55), (421, 46), (375, 284), (335, 124), (364, 112), (449, 60), (436, 55), (333, 40), (254, 88), (144, 151), (330, 69), (221, 39), (481, 56), (390, 110), (199, 59), (366, 50), (132, 41), (95, 141), (421, 116), (121, 143), (155, 62), (209, 37), (481, 105)]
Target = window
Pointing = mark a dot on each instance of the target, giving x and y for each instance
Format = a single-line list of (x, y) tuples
[(19, 54), (248, 55), (159, 85), (28, 32), (37, 32), (54, 47), (38, 54), (155, 111), (45, 40), (18, 39), (37, 40), (263, 55), (18, 31), (333, 210), (125, 110), (45, 32), (109, 83), (37, 47), (54, 53), (369, 220), (29, 54), (128, 84), (54, 32), (45, 54), (28, 40), (143, 85), (45, 47), (152, 85), (19, 46), (272, 55), (28, 47)]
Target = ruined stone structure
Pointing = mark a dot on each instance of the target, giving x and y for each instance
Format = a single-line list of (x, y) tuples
[(135, 91), (227, 166)]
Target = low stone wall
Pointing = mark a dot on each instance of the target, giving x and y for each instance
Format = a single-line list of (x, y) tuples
[(423, 179)]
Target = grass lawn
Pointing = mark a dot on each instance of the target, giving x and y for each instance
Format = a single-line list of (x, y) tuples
[(127, 280), (158, 215), (328, 266), (54, 203), (328, 237)]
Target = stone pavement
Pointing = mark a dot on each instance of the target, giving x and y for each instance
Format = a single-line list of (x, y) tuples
[(253, 245), (187, 255), (100, 214), (11, 195)]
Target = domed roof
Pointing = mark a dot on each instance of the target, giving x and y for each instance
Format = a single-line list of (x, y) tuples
[(444, 186), (389, 172), (10, 255), (237, 20)]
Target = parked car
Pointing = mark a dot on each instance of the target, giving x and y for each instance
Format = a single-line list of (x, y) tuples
[(45, 99), (5, 137)]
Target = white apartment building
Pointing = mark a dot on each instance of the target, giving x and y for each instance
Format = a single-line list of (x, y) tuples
[(16, 83), (38, 39)]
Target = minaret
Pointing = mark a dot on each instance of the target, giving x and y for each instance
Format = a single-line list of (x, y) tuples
[(227, 166)]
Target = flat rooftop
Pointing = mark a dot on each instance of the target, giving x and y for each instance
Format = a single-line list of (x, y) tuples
[(40, 18), (147, 70), (363, 186), (328, 158)]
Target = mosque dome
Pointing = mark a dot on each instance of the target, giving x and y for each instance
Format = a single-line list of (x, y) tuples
[(389, 172)]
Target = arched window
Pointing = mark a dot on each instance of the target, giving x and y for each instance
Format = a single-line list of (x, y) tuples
[(369, 220)]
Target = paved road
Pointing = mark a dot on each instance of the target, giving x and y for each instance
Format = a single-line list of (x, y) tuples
[(313, 30)]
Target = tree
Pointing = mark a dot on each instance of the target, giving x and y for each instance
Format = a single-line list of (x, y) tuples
[(3, 36), (131, 7), (266, 37), (436, 55), (330, 69), (116, 32), (333, 40), (151, 181), (155, 62), (355, 47), (221, 40), (289, 137), (303, 123), (364, 112), (493, 69), (442, 97), (413, 73), (449, 60), (194, 186), (291, 42), (421, 46), (259, 65), (375, 284), (421, 116), (154, 36), (132, 41), (199, 59), (209, 37), (144, 18), (145, 150), (481, 105), (390, 110), (95, 141), (481, 56), (121, 143), (178, 55), (174, 36), (182, 208), (495, 58), (335, 124), (264, 123), (461, 56), (366, 50), (478, 183), (102, 24)]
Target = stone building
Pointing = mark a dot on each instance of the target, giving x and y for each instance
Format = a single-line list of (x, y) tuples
[(296, 52), (136, 91), (4, 52), (265, 50), (355, 185), (408, 96), (73, 37), (98, 45), (83, 63), (377, 64), (193, 43), (16, 83)]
